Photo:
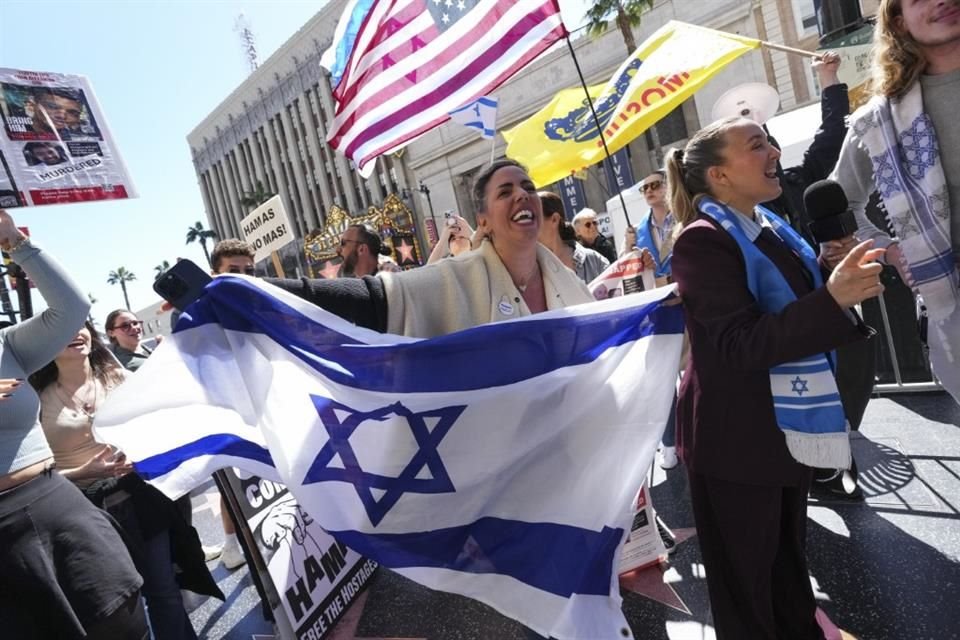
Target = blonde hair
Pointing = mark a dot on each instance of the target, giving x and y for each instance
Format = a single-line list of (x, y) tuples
[(897, 60), (687, 169)]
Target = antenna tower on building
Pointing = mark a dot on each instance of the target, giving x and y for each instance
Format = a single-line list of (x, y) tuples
[(247, 41)]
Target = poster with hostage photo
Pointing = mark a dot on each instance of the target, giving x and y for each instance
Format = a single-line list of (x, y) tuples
[(56, 141), (53, 112)]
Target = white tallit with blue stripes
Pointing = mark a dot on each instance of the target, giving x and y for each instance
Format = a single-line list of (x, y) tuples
[(498, 462), (805, 397)]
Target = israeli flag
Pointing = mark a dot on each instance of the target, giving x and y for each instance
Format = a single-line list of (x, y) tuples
[(498, 462), (335, 58), (481, 114)]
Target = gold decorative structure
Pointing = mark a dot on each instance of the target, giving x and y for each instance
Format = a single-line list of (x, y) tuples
[(393, 221)]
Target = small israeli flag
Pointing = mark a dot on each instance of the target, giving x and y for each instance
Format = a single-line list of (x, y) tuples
[(481, 114)]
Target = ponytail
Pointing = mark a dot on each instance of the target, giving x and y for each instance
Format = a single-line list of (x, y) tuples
[(681, 200), (687, 169)]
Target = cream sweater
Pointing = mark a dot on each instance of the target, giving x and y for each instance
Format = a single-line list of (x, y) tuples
[(472, 289)]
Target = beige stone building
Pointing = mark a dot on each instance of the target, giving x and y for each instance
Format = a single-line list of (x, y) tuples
[(271, 129)]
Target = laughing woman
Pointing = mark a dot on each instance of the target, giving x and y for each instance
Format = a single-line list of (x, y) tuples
[(71, 388), (64, 572), (758, 406)]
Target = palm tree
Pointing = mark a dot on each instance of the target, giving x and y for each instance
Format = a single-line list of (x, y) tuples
[(93, 301), (121, 276), (197, 233), (161, 269), (627, 14), (253, 199)]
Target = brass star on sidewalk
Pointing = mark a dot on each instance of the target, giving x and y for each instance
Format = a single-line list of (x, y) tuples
[(650, 582)]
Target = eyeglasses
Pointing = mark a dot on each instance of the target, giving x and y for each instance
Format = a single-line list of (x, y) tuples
[(344, 241), (652, 186), (127, 326), (589, 224)]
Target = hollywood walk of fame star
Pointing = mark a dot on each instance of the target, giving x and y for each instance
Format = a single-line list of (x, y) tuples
[(799, 386), (405, 250), (649, 582), (330, 270), (397, 416)]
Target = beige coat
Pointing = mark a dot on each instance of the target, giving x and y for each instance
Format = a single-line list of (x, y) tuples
[(472, 289)]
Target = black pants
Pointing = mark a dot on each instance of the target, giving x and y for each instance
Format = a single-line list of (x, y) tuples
[(64, 569), (753, 541)]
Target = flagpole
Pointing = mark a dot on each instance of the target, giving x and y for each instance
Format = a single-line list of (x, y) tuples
[(596, 121), (493, 146)]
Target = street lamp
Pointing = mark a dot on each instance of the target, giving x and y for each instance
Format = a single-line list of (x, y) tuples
[(425, 190)]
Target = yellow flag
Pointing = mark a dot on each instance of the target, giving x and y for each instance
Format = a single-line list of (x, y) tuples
[(665, 70)]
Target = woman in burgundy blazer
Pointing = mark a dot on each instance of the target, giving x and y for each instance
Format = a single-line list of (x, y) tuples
[(748, 492)]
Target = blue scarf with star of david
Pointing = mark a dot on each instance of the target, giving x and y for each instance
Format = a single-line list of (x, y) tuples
[(805, 397), (645, 240)]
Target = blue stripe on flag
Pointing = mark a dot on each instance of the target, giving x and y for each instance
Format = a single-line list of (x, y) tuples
[(556, 558), (221, 443), (484, 101), (821, 367), (461, 361), (806, 400), (811, 419)]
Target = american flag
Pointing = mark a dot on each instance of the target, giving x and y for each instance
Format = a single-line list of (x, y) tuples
[(414, 61)]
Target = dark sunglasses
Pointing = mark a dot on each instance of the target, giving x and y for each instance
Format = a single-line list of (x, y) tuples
[(344, 241), (126, 326), (589, 224), (652, 186)]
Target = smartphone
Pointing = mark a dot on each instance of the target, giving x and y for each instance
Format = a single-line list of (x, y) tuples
[(182, 284)]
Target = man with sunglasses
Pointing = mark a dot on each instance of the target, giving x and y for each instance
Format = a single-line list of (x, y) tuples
[(360, 249), (588, 234)]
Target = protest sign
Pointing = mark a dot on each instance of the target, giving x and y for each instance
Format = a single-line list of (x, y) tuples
[(267, 228), (624, 276), (56, 142), (316, 577)]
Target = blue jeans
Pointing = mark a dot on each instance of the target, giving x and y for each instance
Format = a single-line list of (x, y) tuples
[(669, 438), (168, 618)]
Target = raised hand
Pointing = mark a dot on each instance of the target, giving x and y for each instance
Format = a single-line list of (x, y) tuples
[(857, 277), (9, 234)]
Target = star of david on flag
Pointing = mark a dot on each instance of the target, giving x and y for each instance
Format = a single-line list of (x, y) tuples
[(481, 114), (471, 463)]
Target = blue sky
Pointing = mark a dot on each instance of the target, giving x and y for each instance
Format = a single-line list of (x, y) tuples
[(158, 68)]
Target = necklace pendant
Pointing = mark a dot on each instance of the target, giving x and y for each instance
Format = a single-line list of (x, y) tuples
[(522, 287)]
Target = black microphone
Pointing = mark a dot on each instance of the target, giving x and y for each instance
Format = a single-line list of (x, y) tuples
[(829, 211)]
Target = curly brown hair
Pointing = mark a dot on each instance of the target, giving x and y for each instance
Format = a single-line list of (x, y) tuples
[(897, 61)]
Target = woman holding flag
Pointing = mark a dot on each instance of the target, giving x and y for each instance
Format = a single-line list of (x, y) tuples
[(758, 406), (509, 276)]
